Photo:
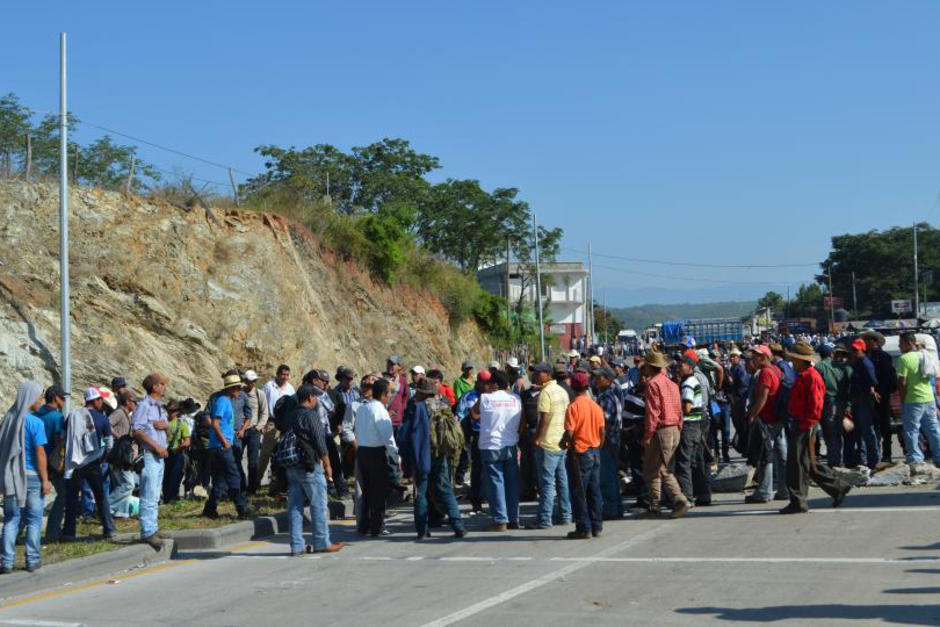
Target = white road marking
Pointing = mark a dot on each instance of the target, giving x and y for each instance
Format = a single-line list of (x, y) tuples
[(538, 582), (752, 560), (38, 623)]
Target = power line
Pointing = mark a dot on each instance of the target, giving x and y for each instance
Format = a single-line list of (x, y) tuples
[(695, 265), (688, 278), (155, 145)]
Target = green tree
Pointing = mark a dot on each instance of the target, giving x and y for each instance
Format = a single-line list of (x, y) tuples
[(45, 141), (883, 263), (362, 181), (14, 126), (772, 300), (106, 164)]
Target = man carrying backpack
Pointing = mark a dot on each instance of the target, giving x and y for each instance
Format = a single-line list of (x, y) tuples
[(431, 441), (307, 476), (764, 406)]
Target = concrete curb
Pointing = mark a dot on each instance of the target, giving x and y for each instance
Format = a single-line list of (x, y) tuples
[(260, 527), (110, 563)]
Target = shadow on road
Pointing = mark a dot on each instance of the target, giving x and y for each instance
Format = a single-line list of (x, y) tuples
[(927, 590), (901, 614), (928, 547)]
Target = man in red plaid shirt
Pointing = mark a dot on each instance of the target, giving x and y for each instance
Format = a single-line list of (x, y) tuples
[(661, 435)]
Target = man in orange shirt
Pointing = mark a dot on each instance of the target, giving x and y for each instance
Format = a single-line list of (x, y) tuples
[(584, 434)]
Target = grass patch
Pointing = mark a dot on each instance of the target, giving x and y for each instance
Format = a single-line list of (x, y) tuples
[(60, 552), (185, 514)]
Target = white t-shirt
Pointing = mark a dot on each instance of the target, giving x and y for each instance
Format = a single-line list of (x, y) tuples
[(500, 413)]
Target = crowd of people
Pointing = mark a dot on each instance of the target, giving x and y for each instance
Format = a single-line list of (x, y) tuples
[(577, 436)]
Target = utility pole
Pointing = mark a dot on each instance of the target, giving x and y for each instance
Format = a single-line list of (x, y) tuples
[(916, 281), (854, 298), (64, 316), (590, 339), (508, 297), (606, 318), (538, 287)]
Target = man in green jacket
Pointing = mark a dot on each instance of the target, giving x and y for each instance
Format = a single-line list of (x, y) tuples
[(837, 374)]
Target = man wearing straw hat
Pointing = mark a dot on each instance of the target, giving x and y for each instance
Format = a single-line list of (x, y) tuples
[(805, 406), (661, 435), (222, 461)]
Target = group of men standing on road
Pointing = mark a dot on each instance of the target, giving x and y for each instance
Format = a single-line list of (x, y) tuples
[(563, 435)]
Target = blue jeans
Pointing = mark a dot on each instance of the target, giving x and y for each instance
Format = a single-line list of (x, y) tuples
[(11, 523), (552, 474), (586, 490), (776, 466), (917, 417), (502, 483), (610, 485), (864, 441), (312, 487), (122, 483), (151, 484), (441, 491)]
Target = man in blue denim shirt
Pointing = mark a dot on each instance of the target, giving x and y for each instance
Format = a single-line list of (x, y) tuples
[(610, 452), (148, 426)]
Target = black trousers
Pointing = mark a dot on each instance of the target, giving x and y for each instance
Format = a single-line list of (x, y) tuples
[(173, 475), (691, 469), (373, 468), (252, 443), (225, 480), (336, 464), (93, 474), (800, 471), (238, 451), (883, 423), (528, 473)]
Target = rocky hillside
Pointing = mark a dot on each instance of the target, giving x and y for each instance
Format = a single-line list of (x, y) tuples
[(192, 293)]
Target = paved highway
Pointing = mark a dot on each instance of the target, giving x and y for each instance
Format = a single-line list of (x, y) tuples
[(876, 560)]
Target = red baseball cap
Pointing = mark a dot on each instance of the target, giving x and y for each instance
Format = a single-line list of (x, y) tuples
[(580, 381), (484, 375), (691, 354), (859, 345), (763, 349)]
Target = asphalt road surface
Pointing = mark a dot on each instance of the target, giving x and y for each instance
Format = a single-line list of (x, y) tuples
[(875, 561)]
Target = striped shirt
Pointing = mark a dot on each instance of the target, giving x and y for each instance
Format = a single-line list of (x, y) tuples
[(691, 392)]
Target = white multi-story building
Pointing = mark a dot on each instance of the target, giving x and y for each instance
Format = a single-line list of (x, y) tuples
[(564, 294)]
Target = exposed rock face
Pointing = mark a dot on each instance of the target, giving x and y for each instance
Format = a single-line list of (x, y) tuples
[(157, 288)]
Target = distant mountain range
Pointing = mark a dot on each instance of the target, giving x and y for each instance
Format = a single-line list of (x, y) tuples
[(642, 316)]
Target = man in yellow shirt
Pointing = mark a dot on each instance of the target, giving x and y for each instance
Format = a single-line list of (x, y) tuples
[(550, 457)]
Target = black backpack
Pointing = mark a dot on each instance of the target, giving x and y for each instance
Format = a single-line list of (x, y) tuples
[(284, 407), (782, 401), (122, 455)]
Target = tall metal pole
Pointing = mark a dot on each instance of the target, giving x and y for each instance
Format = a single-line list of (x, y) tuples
[(65, 319), (606, 318), (916, 281), (591, 295), (508, 297), (854, 299), (538, 288)]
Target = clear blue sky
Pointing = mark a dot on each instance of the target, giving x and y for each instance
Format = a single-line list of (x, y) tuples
[(723, 132)]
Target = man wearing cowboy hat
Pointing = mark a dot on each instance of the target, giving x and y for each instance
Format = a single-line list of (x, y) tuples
[(222, 461), (662, 425), (805, 407), (429, 469)]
